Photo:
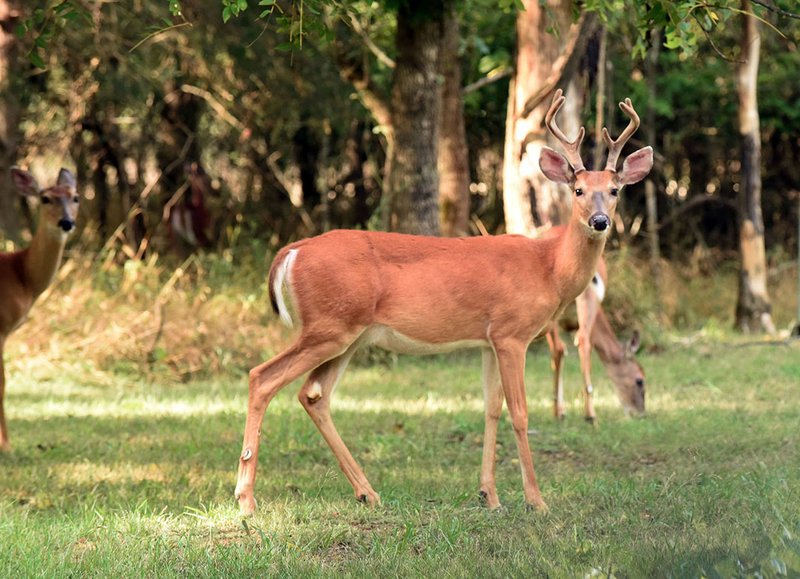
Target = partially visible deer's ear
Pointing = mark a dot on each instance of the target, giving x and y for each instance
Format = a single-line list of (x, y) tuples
[(635, 343), (67, 179), (636, 166), (24, 182), (555, 167)]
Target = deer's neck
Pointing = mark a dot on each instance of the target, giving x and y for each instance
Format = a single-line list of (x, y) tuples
[(43, 257), (576, 262), (605, 340)]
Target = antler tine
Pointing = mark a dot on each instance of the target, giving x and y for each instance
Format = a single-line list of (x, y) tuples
[(615, 147), (571, 148)]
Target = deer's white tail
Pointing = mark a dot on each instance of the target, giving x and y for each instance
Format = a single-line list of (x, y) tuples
[(281, 278)]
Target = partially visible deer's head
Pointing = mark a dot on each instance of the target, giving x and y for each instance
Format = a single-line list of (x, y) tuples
[(595, 192), (59, 203), (628, 377)]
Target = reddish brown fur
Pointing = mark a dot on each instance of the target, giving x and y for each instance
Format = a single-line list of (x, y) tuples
[(421, 294), (25, 274), (595, 331)]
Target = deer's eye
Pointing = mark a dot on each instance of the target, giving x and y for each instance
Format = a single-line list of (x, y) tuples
[(614, 191), (76, 199), (578, 191), (45, 200)]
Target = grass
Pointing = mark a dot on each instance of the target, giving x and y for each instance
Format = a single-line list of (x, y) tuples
[(120, 473)]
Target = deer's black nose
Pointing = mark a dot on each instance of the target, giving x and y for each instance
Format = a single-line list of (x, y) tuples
[(66, 225), (599, 222)]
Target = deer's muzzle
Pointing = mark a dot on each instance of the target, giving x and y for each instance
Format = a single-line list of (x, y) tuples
[(599, 222)]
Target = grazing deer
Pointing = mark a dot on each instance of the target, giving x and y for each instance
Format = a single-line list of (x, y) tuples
[(25, 274), (595, 331), (418, 295)]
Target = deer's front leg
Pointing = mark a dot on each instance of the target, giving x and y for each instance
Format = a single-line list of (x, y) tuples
[(511, 362), (587, 314), (493, 406), (556, 363)]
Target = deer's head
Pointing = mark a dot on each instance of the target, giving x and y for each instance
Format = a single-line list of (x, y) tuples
[(595, 192), (628, 377), (59, 203)]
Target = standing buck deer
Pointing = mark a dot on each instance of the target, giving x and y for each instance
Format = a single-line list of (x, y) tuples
[(595, 331), (415, 294), (25, 274)]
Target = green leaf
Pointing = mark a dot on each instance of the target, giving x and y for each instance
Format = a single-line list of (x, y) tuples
[(266, 3), (36, 60), (226, 13), (285, 46), (242, 4)]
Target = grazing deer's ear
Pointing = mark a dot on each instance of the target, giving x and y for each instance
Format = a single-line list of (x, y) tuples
[(67, 179), (24, 182), (635, 342), (636, 166), (555, 167)]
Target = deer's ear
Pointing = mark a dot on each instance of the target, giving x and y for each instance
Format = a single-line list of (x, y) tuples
[(555, 167), (67, 179), (635, 343), (24, 182), (636, 166)]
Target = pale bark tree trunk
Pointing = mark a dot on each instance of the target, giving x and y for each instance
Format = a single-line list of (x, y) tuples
[(453, 153), (753, 310), (412, 181), (544, 61), (9, 119), (650, 184)]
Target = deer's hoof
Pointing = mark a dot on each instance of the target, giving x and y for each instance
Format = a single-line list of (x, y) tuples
[(370, 498), (247, 504)]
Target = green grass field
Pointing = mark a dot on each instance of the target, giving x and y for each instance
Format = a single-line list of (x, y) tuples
[(113, 475)]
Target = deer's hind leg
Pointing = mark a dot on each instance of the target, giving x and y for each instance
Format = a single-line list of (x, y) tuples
[(266, 380), (315, 396)]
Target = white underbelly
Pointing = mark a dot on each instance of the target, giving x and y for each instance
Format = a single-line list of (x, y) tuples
[(388, 339)]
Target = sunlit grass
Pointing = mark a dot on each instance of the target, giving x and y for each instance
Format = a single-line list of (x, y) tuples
[(123, 474)]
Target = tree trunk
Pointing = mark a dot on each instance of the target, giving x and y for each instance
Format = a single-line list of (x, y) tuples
[(650, 184), (412, 182), (453, 153), (753, 310), (307, 148), (544, 60), (9, 119)]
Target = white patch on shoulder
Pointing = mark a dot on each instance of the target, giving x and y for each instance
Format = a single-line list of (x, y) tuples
[(598, 287), (284, 276)]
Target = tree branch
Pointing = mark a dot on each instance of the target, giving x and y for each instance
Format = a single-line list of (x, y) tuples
[(486, 80), (694, 202), (374, 48), (775, 9)]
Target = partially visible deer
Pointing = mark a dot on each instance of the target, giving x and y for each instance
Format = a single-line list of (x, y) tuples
[(595, 331), (25, 274), (415, 294), (187, 215)]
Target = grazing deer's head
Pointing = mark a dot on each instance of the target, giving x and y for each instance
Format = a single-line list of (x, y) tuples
[(595, 199), (59, 203), (628, 377)]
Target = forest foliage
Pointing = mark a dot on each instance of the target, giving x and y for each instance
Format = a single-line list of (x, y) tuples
[(241, 113)]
